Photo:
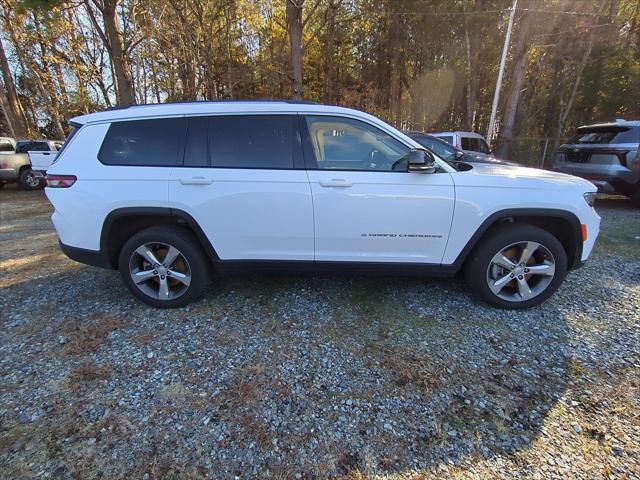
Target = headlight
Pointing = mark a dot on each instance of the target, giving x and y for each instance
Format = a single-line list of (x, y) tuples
[(590, 198)]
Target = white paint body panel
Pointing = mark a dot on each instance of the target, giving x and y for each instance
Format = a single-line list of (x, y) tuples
[(487, 189), (249, 214), (287, 214), (41, 161), (381, 216), (80, 211)]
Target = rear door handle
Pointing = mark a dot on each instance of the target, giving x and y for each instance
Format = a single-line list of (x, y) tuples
[(336, 182), (196, 181)]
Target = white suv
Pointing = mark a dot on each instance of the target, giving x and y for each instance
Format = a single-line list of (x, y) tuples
[(167, 193)]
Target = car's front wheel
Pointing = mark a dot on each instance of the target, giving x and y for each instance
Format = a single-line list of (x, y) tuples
[(517, 266), (164, 266)]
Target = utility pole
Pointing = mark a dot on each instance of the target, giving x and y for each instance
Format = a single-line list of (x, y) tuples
[(503, 61)]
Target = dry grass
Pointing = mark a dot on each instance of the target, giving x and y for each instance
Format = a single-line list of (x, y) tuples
[(257, 429), (143, 338), (247, 385), (88, 372), (88, 335)]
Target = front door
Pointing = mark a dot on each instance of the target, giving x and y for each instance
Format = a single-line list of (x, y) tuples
[(367, 206)]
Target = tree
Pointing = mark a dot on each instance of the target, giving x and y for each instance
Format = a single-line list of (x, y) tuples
[(112, 37)]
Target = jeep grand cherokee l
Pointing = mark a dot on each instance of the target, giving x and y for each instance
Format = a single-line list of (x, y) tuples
[(167, 193)]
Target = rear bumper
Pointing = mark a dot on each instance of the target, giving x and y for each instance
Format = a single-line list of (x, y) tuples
[(623, 182), (95, 258)]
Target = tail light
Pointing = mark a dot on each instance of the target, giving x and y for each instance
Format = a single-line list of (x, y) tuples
[(60, 181)]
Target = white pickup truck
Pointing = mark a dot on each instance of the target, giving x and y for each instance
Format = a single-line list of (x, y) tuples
[(41, 161)]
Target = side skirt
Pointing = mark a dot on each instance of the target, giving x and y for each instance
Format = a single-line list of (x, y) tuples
[(231, 267)]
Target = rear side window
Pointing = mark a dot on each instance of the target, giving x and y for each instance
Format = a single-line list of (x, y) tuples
[(243, 141), (258, 141), (6, 147), (607, 135), (474, 144), (143, 142), (28, 146)]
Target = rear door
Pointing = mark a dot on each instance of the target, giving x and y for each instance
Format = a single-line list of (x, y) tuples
[(243, 181), (367, 206)]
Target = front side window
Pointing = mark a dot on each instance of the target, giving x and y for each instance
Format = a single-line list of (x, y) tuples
[(347, 144), (143, 142), (6, 147)]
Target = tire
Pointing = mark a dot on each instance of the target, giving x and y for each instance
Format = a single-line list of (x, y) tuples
[(28, 181), (517, 287), (189, 264)]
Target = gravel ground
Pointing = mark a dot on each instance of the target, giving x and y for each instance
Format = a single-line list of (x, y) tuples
[(314, 377)]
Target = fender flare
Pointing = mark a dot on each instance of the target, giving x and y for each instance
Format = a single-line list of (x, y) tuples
[(496, 217), (181, 217)]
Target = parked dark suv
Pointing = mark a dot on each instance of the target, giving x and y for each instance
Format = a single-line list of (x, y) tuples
[(606, 154)]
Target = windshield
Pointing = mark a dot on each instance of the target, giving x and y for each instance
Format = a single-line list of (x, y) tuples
[(447, 139), (440, 148), (590, 135)]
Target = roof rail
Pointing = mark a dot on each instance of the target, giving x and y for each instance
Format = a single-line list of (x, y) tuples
[(259, 100)]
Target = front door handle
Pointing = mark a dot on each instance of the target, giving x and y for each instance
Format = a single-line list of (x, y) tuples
[(336, 182), (196, 181)]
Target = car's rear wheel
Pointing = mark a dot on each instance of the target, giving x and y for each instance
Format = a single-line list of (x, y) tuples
[(28, 180), (164, 267), (517, 266)]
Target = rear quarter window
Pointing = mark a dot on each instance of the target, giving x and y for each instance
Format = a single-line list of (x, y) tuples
[(143, 143)]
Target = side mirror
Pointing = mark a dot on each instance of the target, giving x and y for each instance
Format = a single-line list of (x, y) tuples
[(459, 155), (421, 161)]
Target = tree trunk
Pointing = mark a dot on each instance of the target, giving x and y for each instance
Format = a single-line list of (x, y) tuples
[(473, 46), (564, 112), (329, 55), (112, 39), (294, 26), (518, 75), (8, 116), (14, 108)]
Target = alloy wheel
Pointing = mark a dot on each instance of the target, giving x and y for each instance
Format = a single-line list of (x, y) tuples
[(521, 271), (31, 180), (160, 271)]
